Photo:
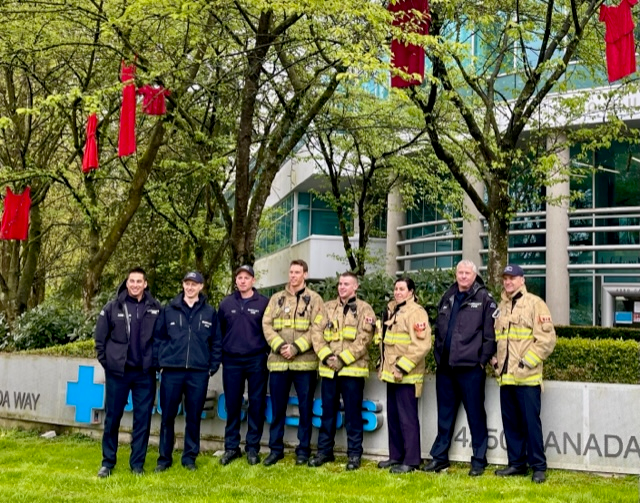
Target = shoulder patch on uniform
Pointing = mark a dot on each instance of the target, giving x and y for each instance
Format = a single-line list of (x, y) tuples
[(493, 305), (370, 320), (102, 313), (420, 326), (496, 314), (545, 319)]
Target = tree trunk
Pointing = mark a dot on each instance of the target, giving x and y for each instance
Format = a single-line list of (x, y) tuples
[(498, 231), (100, 259), (30, 265)]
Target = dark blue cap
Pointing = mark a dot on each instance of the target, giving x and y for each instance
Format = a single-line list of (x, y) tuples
[(513, 270), (194, 276), (245, 267)]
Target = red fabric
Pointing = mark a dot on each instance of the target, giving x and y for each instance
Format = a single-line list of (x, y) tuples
[(413, 17), (153, 101), (619, 39), (127, 134), (90, 157), (15, 218)]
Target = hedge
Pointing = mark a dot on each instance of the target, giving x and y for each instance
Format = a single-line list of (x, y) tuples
[(574, 359), (595, 332)]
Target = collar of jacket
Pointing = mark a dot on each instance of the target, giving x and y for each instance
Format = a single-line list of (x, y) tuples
[(122, 296), (453, 290), (506, 297), (177, 302), (238, 297), (298, 293)]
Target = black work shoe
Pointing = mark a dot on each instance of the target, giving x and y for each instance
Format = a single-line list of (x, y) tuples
[(302, 459), (272, 458), (538, 476), (511, 471), (353, 463), (161, 468), (319, 459), (104, 472), (190, 467), (436, 466), (253, 458), (402, 469), (229, 456), (476, 471), (138, 471), (386, 464)]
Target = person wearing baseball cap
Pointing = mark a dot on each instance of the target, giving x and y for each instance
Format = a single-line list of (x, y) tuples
[(240, 332), (525, 337), (186, 353)]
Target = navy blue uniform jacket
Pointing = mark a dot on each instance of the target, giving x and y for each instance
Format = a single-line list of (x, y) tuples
[(240, 326)]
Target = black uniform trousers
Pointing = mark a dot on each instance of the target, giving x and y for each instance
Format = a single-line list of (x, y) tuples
[(280, 383), (142, 386), (521, 413), (236, 371), (351, 389), (403, 429), (174, 385), (453, 386)]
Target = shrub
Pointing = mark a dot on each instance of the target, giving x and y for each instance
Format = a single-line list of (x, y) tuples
[(54, 322), (595, 332), (84, 348)]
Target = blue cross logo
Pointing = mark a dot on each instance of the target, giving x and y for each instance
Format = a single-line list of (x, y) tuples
[(85, 395)]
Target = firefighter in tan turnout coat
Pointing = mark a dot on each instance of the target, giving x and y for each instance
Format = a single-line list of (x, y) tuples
[(342, 350), (406, 339), (525, 337), (292, 316)]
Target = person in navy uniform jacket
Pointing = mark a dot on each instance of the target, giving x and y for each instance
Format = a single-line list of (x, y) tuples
[(245, 352), (187, 356), (124, 347)]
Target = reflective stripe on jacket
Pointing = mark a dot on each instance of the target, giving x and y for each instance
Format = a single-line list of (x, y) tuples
[(525, 337), (406, 341), (292, 318), (347, 334)]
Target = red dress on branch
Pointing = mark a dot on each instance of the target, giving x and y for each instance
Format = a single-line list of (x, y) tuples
[(127, 134), (619, 39), (15, 218), (413, 17), (153, 99), (90, 157)]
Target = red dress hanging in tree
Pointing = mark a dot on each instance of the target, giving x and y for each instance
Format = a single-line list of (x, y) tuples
[(619, 39), (413, 17), (153, 101), (15, 218), (90, 157), (127, 134)]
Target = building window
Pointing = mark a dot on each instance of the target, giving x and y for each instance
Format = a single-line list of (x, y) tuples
[(581, 300), (316, 217), (277, 231)]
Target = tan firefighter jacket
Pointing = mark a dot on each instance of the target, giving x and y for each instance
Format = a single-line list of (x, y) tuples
[(292, 318), (406, 339), (348, 332), (525, 337)]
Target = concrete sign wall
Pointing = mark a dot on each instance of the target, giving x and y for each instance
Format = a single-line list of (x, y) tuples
[(586, 426)]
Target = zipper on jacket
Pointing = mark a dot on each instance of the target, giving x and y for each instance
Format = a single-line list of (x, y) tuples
[(188, 343), (128, 322)]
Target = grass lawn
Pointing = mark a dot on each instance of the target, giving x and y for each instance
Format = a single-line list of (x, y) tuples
[(63, 469)]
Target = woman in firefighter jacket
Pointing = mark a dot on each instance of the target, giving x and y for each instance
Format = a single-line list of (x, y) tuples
[(406, 338)]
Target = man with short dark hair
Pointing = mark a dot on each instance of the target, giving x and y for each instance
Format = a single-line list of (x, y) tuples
[(526, 337), (342, 352), (187, 356), (292, 316), (124, 346), (240, 330)]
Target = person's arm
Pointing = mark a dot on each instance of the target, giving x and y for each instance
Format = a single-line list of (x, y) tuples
[(102, 334), (215, 343), (488, 348), (274, 339), (364, 334), (544, 336), (421, 342)]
